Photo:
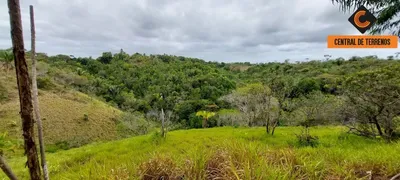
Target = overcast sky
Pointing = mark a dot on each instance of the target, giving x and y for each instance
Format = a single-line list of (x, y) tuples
[(214, 30)]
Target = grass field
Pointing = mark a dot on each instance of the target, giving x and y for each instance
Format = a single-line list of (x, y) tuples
[(227, 153)]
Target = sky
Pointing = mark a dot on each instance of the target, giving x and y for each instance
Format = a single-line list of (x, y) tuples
[(254, 31)]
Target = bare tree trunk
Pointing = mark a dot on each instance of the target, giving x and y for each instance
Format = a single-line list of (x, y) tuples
[(274, 126), (277, 119), (162, 123), (378, 127), (6, 169), (35, 96), (24, 88), (204, 122)]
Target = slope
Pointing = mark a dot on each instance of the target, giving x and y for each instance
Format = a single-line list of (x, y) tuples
[(69, 117)]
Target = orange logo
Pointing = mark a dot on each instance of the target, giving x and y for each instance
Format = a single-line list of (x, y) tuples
[(362, 19), (358, 22)]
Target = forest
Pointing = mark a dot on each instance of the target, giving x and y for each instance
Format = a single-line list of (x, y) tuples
[(361, 92)]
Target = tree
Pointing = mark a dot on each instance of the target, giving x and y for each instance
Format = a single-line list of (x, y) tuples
[(327, 57), (256, 103), (229, 117), (281, 88), (205, 115), (386, 11), (397, 54), (315, 108), (373, 99), (122, 55), (106, 57), (35, 96), (162, 118), (7, 58), (24, 88)]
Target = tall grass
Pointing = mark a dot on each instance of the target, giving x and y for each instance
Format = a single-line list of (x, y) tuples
[(227, 153)]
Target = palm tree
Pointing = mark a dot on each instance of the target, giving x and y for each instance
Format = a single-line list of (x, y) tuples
[(205, 115), (397, 54), (7, 58), (386, 11)]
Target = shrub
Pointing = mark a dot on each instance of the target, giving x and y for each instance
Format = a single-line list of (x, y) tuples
[(45, 83), (3, 93), (85, 117), (60, 145), (67, 144), (131, 124), (195, 121), (306, 139)]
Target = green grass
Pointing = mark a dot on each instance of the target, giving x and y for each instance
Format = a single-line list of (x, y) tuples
[(227, 153)]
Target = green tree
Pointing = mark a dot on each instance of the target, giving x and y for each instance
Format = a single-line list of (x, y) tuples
[(205, 115), (387, 12), (7, 57), (373, 99), (106, 57), (282, 87)]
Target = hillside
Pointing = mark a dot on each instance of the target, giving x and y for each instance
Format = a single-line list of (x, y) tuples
[(63, 112), (227, 153), (134, 82)]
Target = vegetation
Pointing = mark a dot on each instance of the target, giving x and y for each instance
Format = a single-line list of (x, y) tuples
[(63, 113), (120, 97), (226, 153), (323, 119), (270, 94), (205, 115)]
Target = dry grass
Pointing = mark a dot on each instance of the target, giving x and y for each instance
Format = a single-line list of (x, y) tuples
[(160, 167), (62, 115)]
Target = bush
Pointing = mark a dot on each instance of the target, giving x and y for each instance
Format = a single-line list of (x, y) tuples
[(45, 83), (3, 93), (133, 124), (195, 121), (85, 117), (305, 139), (67, 144), (61, 145)]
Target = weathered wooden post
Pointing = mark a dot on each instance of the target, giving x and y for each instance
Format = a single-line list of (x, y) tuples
[(24, 89)]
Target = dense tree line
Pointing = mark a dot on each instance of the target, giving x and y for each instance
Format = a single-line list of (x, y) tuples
[(268, 94)]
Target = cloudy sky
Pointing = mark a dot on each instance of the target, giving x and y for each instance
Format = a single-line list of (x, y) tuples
[(214, 30)]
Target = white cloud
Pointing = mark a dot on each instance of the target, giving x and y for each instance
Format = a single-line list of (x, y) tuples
[(226, 30)]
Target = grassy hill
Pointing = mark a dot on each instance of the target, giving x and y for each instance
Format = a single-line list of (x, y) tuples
[(69, 117), (227, 153)]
